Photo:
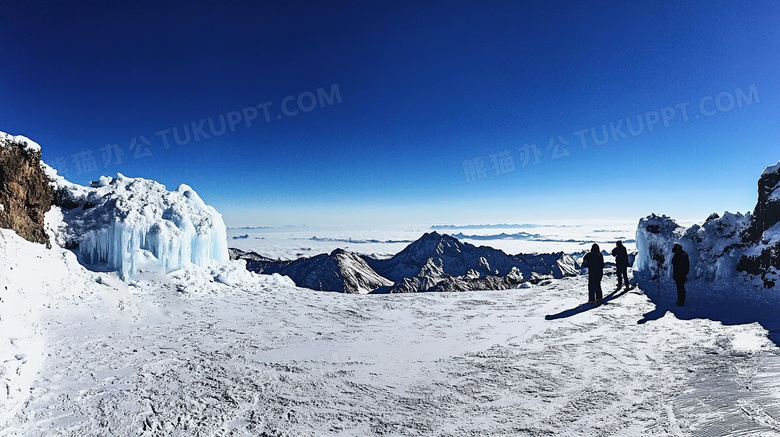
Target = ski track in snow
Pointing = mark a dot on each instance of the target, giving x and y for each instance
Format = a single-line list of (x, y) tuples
[(288, 361)]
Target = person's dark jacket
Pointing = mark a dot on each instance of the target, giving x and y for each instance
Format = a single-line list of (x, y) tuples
[(594, 261), (680, 265), (621, 257)]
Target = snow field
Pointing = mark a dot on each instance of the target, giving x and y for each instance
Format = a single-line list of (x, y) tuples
[(198, 357), (32, 279)]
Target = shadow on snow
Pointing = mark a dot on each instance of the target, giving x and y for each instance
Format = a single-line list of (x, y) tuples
[(730, 303), (585, 307)]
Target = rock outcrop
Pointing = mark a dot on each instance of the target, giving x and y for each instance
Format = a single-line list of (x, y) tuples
[(25, 195), (767, 211), (762, 257)]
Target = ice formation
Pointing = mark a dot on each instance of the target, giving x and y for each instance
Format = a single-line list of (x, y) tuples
[(129, 223), (714, 247), (655, 236)]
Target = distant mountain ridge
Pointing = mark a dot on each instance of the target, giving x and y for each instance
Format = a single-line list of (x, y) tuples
[(434, 262), (498, 226)]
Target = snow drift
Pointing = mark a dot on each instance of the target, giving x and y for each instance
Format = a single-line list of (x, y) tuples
[(128, 223)]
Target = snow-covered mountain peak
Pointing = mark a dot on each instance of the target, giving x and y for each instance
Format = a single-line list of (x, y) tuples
[(772, 169), (338, 252), (430, 244)]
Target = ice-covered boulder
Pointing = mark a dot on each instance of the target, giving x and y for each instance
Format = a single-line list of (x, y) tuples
[(128, 223), (714, 247), (655, 237), (723, 246)]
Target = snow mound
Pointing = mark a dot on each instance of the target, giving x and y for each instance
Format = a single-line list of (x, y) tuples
[(21, 139), (126, 224), (716, 245), (218, 278)]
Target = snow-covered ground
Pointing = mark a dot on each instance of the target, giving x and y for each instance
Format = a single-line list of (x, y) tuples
[(188, 354)]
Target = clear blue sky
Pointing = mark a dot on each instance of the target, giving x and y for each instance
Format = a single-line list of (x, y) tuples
[(424, 91)]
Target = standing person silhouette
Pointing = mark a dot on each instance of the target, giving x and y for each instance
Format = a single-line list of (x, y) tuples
[(594, 261), (680, 267), (621, 264)]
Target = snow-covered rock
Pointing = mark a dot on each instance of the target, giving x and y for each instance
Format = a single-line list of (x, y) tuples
[(713, 248), (716, 245), (131, 223), (723, 246), (28, 144), (655, 237), (455, 258), (340, 271), (762, 258), (767, 211)]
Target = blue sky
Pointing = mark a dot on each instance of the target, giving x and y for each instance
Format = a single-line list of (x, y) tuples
[(411, 97)]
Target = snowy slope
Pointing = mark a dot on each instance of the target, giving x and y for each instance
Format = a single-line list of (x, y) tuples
[(275, 360), (43, 291), (128, 224), (32, 279), (217, 350)]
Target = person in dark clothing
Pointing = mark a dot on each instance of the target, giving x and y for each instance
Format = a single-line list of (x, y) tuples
[(594, 261), (621, 264), (680, 267)]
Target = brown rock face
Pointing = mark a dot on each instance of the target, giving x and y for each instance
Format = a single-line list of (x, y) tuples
[(25, 194)]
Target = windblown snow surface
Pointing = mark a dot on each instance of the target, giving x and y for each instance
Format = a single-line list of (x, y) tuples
[(219, 351)]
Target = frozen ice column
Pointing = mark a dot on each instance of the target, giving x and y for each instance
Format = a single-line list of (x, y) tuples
[(124, 223)]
